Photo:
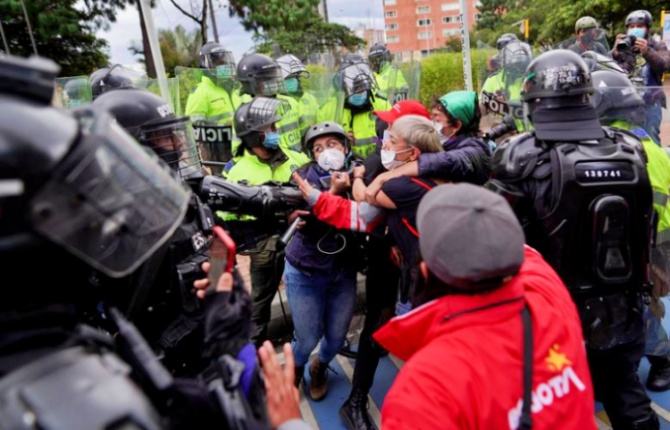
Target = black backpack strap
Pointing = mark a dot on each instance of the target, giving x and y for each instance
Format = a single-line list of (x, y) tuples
[(526, 421)]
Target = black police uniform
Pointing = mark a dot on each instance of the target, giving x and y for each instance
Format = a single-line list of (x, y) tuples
[(583, 197)]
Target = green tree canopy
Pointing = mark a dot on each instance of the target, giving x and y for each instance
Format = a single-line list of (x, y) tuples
[(64, 31), (552, 22)]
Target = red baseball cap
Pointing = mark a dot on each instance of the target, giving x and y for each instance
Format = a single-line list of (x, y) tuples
[(402, 108)]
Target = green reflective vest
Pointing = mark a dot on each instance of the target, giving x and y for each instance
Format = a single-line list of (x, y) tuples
[(289, 125), (308, 109), (363, 124), (497, 83), (384, 78), (658, 168)]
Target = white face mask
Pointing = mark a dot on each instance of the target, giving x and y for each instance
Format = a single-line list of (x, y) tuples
[(388, 159), (331, 159), (438, 127)]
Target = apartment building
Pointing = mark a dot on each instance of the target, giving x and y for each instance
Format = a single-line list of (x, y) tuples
[(416, 27)]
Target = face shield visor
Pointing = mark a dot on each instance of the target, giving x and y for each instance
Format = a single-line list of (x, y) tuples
[(174, 142), (223, 63), (358, 78), (263, 113), (109, 202)]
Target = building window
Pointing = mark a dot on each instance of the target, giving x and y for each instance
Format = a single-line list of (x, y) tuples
[(450, 19), (478, 16), (449, 6), (393, 39), (450, 32), (422, 9), (389, 2), (423, 22), (391, 26), (390, 14), (423, 35)]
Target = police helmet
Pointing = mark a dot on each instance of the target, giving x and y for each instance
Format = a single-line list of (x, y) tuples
[(597, 61), (291, 66), (515, 57), (253, 119), (216, 58), (615, 97), (150, 120), (82, 187), (352, 58), (505, 39), (585, 22), (326, 128), (115, 77), (557, 74), (378, 54), (353, 78), (260, 76), (639, 17)]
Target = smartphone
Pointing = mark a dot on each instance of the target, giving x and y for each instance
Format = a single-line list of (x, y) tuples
[(221, 256)]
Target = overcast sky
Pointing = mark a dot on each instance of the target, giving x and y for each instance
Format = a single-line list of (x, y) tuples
[(126, 29)]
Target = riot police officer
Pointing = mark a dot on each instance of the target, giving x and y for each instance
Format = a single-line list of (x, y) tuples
[(387, 76), (114, 77), (160, 301), (261, 76), (91, 198), (294, 72), (589, 218)]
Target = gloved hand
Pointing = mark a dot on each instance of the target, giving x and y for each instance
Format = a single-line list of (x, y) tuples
[(227, 314)]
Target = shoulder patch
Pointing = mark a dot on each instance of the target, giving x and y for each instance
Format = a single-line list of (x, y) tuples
[(640, 132)]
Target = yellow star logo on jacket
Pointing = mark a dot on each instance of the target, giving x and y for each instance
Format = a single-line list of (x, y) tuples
[(556, 360)]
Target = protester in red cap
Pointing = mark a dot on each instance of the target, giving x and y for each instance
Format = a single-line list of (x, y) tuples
[(466, 155), (497, 342), (404, 107)]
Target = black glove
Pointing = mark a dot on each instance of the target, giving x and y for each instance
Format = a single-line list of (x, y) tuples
[(227, 320)]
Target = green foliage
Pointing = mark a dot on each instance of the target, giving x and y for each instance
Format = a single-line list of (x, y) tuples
[(315, 37), (62, 32), (266, 15), (552, 22), (442, 73), (179, 47)]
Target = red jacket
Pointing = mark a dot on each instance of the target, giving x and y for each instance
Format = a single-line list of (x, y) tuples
[(464, 360)]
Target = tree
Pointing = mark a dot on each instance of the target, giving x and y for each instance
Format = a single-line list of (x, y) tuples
[(62, 32), (317, 36), (552, 22), (198, 14), (179, 47)]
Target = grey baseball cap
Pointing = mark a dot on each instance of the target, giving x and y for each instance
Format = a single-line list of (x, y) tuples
[(469, 235)]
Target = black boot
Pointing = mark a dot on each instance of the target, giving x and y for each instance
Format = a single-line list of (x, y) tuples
[(354, 412), (318, 385), (299, 373), (659, 374)]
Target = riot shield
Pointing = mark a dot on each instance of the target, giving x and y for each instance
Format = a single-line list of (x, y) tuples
[(500, 95), (350, 79), (595, 41), (173, 89), (210, 102), (73, 91), (485, 62), (404, 81)]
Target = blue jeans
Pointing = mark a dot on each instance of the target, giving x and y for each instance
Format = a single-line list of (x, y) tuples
[(652, 122), (322, 305)]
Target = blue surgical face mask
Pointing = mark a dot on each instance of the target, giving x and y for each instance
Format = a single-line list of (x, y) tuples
[(271, 140), (358, 99), (637, 32), (224, 71), (292, 85), (75, 102)]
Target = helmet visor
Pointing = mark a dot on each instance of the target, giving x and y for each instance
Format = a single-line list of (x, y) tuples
[(110, 202), (263, 112), (174, 142), (358, 77), (221, 57)]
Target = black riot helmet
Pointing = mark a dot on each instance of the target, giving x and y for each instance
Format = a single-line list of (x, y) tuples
[(76, 187), (596, 61), (505, 39), (355, 79), (616, 98), (254, 121), (514, 58), (378, 55), (260, 76), (556, 88), (352, 58), (639, 17), (325, 128), (115, 77), (150, 120), (216, 58)]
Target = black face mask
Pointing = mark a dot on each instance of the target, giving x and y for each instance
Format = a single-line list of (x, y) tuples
[(587, 39)]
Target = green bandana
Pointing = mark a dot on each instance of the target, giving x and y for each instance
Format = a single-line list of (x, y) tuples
[(461, 105)]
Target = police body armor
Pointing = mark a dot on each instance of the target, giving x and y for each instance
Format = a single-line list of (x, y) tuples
[(75, 389), (592, 223)]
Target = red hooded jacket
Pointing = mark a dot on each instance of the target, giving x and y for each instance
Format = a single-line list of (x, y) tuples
[(464, 359)]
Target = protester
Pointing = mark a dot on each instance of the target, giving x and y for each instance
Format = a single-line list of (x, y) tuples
[(465, 348)]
